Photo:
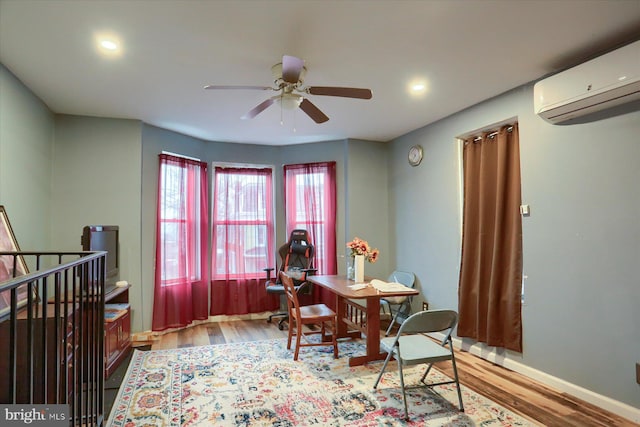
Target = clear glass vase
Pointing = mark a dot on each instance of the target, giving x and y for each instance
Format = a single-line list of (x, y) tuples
[(350, 269)]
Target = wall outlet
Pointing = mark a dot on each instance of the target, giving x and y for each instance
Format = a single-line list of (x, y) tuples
[(425, 306)]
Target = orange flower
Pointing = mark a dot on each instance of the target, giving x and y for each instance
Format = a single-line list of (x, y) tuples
[(361, 247)]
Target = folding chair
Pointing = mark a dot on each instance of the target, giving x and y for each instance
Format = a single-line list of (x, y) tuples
[(399, 307), (411, 347)]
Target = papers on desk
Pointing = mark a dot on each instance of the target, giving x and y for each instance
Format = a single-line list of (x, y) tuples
[(383, 286)]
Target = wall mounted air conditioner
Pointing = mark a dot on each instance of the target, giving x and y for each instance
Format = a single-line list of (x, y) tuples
[(607, 81)]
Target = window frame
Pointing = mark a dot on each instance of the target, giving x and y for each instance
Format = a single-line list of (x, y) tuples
[(322, 251), (268, 222), (190, 203)]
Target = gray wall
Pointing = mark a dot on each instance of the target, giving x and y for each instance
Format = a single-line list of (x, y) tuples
[(581, 242), (581, 321), (96, 181), (26, 148), (367, 202)]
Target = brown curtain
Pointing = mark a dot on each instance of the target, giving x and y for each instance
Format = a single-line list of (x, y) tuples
[(491, 267)]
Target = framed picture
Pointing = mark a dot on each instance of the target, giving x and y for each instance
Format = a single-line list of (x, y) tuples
[(8, 243)]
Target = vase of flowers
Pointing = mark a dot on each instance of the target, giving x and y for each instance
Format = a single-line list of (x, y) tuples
[(358, 268), (360, 251)]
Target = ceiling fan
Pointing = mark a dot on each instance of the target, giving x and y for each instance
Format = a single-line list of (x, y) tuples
[(289, 78)]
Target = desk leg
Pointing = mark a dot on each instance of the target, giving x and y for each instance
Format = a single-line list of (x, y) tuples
[(373, 326), (373, 335), (343, 328), (341, 311)]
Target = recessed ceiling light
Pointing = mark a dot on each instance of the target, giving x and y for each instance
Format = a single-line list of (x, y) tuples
[(109, 44), (417, 87)]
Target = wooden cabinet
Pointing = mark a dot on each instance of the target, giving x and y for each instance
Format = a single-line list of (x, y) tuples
[(117, 328), (116, 341), (48, 369), (111, 348)]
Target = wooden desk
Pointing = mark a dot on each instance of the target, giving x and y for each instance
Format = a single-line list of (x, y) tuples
[(351, 315)]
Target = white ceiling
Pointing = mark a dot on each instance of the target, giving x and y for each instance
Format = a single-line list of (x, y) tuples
[(467, 51)]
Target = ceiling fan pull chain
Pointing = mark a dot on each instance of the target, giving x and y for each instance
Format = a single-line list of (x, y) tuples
[(295, 116), (281, 114)]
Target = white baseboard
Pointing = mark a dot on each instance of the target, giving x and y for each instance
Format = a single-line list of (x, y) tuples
[(601, 401)]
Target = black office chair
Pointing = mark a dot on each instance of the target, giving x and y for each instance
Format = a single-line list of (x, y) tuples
[(296, 259)]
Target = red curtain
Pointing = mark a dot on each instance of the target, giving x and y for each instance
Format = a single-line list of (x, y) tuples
[(491, 267), (242, 241), (310, 204), (180, 293)]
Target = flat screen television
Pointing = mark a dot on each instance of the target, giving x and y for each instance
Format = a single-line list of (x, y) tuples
[(104, 238)]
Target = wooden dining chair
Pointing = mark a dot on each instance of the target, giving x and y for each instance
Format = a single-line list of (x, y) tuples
[(300, 316)]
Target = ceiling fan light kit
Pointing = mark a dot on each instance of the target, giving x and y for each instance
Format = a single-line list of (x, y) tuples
[(289, 101), (288, 80)]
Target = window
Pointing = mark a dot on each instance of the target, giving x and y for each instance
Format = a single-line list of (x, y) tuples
[(310, 199), (180, 214), (242, 222), (180, 292)]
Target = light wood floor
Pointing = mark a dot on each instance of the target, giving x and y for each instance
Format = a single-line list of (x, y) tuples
[(520, 394)]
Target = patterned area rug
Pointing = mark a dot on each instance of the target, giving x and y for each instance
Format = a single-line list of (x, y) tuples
[(258, 384)]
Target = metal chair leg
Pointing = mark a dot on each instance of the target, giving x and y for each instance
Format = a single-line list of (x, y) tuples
[(393, 321), (455, 374), (403, 306), (384, 366), (404, 392)]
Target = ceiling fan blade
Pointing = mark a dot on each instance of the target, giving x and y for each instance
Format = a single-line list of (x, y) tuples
[(237, 87), (258, 109), (291, 68), (346, 92), (313, 111)]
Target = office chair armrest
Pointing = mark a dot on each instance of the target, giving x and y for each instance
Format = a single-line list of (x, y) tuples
[(268, 271), (303, 288)]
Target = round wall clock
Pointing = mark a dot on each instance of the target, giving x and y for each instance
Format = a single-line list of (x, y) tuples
[(415, 155)]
